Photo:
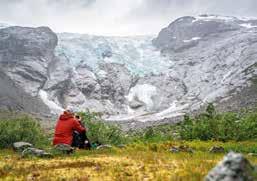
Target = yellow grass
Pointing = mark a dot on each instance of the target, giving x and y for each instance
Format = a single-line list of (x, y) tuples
[(135, 162)]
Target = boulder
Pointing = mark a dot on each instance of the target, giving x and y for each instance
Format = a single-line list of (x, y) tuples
[(36, 152), (217, 149), (64, 148), (21, 146), (234, 167)]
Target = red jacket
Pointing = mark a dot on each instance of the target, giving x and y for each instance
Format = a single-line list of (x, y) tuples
[(64, 129)]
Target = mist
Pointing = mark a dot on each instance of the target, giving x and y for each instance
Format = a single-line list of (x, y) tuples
[(115, 17)]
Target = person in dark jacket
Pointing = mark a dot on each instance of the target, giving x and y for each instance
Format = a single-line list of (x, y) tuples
[(65, 127), (80, 140)]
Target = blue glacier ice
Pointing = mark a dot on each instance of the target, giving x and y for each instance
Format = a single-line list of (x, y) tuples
[(136, 53)]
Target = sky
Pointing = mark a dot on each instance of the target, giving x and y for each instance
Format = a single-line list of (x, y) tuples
[(115, 17)]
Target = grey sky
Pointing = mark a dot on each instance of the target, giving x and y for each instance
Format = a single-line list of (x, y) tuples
[(115, 17)]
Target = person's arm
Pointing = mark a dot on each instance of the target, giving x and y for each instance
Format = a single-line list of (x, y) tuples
[(77, 126)]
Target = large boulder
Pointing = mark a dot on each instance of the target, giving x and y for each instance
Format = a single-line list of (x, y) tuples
[(20, 146), (234, 167)]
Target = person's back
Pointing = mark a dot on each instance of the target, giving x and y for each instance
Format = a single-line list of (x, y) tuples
[(65, 127)]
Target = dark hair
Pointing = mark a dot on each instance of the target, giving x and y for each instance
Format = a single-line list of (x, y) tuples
[(77, 116)]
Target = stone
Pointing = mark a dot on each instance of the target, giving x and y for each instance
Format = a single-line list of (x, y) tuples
[(217, 149), (234, 167), (174, 150), (64, 148), (252, 154), (182, 148), (20, 146), (36, 152), (101, 147)]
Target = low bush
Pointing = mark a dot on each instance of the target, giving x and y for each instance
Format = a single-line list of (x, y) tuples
[(22, 128), (102, 132), (238, 126)]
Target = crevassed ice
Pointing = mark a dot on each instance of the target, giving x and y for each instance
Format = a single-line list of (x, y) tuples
[(136, 53)]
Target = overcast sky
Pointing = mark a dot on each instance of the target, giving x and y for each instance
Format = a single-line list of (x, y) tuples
[(115, 17)]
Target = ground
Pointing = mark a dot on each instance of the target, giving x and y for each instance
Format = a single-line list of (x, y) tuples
[(139, 161)]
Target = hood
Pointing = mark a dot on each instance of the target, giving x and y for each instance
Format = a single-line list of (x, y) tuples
[(66, 116)]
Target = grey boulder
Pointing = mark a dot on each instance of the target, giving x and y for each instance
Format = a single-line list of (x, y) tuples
[(20, 146), (234, 167), (36, 152)]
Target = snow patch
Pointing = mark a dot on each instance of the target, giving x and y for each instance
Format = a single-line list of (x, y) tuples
[(248, 25), (192, 39), (55, 109), (214, 17), (143, 93), (174, 109)]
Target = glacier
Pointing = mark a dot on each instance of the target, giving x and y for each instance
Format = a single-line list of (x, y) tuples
[(137, 53), (192, 62)]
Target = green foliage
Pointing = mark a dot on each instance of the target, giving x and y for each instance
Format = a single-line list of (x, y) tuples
[(220, 126), (153, 134), (102, 132), (210, 125), (22, 128)]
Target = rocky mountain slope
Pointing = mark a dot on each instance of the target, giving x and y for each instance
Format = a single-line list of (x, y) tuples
[(144, 79)]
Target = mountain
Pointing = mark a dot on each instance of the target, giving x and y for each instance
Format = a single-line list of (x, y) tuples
[(137, 81)]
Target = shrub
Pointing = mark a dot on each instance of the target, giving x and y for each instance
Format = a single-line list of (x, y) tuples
[(102, 132), (21, 129), (220, 126)]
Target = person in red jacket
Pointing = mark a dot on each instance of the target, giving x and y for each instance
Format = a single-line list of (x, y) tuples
[(65, 127)]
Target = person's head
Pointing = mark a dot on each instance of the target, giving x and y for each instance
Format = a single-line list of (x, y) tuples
[(69, 111), (77, 117)]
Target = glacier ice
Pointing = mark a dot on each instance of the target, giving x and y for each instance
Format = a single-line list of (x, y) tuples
[(136, 53)]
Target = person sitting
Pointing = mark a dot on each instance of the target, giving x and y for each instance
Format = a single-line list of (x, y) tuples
[(65, 127), (80, 140)]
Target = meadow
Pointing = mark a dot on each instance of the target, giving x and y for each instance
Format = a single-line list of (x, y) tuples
[(134, 155), (138, 161)]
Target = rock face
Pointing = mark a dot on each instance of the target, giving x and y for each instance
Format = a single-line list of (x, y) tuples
[(193, 61), (234, 167)]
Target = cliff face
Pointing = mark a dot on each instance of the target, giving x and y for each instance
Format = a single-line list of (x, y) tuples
[(193, 61)]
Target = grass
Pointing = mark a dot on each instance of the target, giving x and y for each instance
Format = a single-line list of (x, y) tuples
[(146, 156), (138, 161)]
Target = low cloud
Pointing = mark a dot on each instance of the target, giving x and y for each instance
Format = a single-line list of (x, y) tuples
[(115, 17)]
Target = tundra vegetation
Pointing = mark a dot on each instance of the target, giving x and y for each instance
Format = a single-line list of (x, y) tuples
[(134, 155)]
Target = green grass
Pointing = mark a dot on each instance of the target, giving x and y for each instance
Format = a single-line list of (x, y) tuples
[(137, 161), (146, 155), (21, 128)]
